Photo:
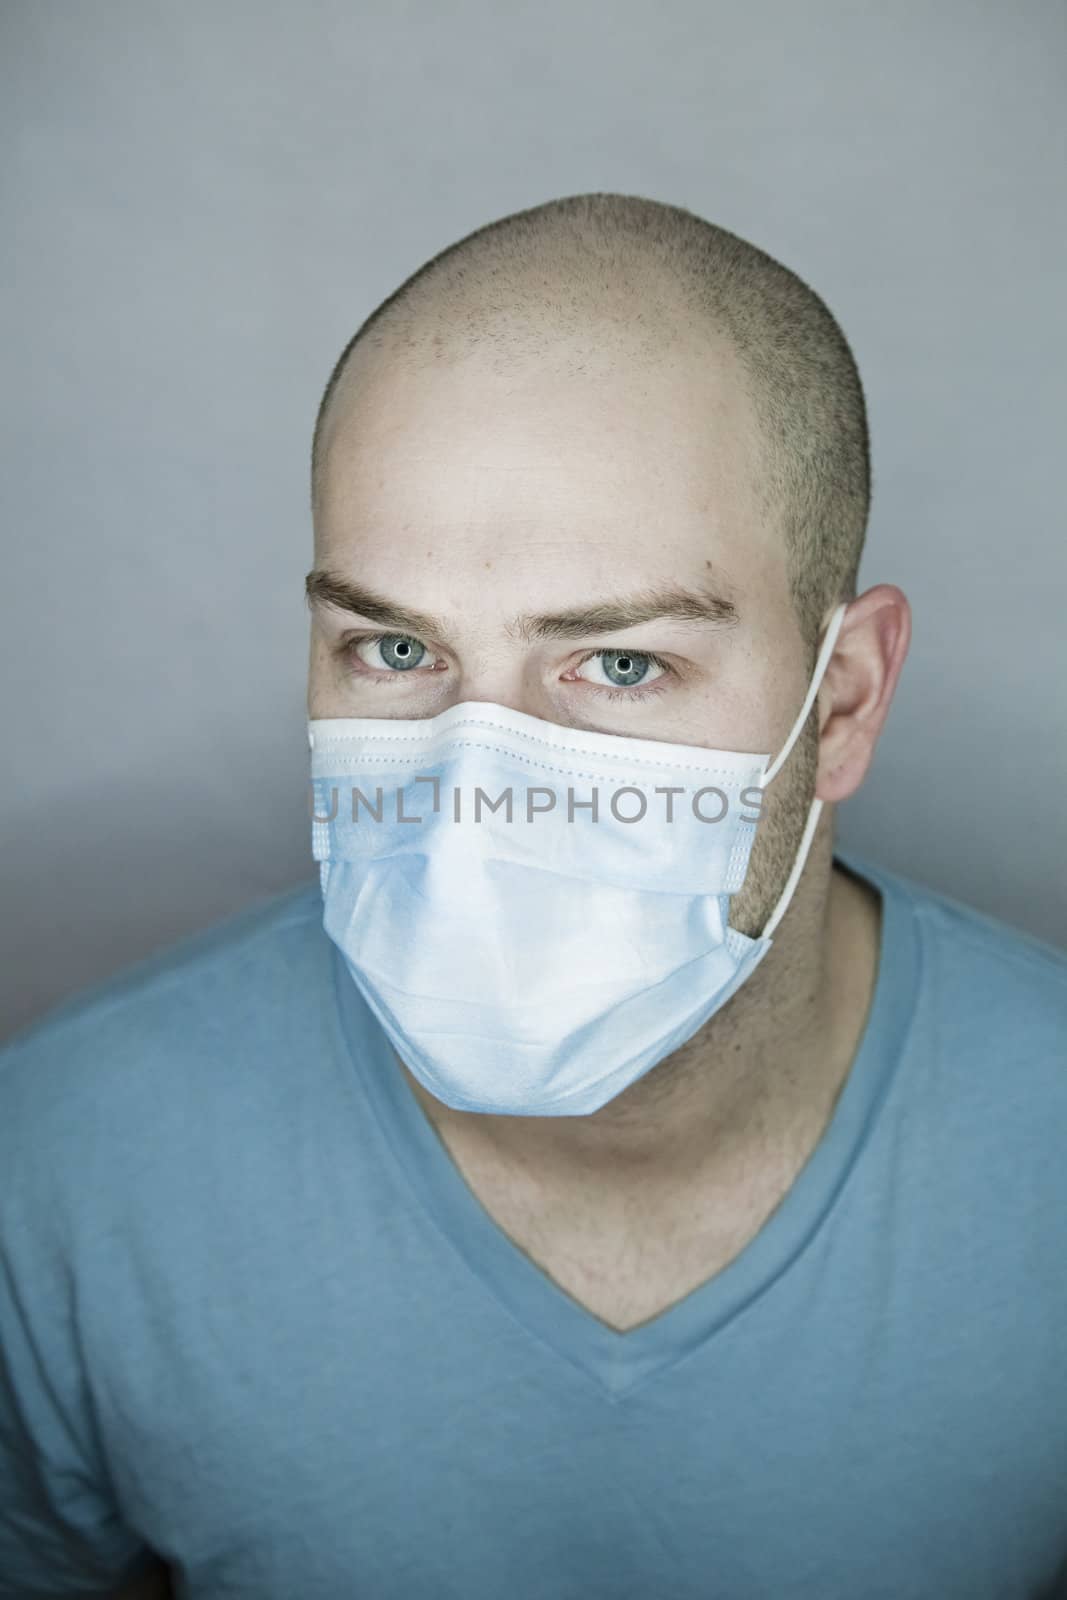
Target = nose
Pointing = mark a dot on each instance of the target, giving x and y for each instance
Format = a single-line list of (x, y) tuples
[(511, 684)]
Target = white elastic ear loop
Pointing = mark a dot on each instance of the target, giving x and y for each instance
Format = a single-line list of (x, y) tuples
[(821, 664), (816, 805), (798, 867)]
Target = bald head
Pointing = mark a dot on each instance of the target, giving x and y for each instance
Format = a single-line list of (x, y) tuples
[(604, 278)]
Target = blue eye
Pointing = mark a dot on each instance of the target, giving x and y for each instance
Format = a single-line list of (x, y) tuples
[(621, 675), (624, 669), (397, 652)]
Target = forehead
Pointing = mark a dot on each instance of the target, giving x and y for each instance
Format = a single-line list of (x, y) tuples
[(583, 451)]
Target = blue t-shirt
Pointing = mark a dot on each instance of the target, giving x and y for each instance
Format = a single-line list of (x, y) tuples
[(253, 1318)]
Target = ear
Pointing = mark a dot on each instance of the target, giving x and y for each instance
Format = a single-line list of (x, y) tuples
[(857, 690)]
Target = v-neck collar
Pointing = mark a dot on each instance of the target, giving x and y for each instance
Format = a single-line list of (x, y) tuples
[(618, 1361)]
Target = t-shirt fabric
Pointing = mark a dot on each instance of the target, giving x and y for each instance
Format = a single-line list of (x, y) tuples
[(252, 1317)]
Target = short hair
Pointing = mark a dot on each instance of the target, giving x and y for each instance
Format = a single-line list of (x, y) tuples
[(658, 273)]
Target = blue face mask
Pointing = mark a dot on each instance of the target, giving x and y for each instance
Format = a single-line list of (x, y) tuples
[(537, 915)]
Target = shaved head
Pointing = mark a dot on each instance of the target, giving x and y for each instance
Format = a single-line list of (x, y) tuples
[(609, 276)]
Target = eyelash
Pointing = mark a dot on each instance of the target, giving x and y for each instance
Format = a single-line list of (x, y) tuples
[(637, 693)]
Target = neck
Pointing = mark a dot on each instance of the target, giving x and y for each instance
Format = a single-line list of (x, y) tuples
[(761, 1074)]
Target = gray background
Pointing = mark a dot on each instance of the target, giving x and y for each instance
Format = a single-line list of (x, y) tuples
[(203, 200)]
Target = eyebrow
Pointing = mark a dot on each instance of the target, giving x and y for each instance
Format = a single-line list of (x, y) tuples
[(325, 588)]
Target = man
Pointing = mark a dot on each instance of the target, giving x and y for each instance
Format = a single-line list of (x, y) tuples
[(539, 1207)]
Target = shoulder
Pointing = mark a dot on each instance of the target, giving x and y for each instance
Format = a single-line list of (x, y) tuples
[(987, 1006), (1001, 971), (974, 1121), (114, 1049)]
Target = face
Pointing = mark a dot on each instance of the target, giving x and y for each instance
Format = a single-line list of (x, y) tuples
[(482, 500)]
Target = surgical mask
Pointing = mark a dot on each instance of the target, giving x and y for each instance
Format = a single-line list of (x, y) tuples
[(537, 915)]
